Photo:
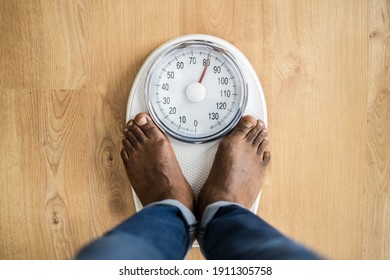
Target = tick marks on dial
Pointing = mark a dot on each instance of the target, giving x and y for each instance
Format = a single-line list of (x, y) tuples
[(227, 72)]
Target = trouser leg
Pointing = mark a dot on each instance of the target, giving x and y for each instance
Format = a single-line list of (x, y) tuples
[(236, 233), (156, 232)]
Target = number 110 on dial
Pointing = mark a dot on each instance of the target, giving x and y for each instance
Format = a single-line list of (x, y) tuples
[(196, 91)]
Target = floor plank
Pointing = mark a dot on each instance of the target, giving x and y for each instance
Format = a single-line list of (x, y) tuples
[(376, 226)]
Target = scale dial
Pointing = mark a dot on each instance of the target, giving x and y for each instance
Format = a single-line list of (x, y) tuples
[(196, 91)]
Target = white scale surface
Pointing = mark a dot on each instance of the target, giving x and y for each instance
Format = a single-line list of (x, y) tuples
[(196, 159)]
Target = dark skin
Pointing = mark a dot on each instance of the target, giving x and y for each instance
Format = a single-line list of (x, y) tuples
[(237, 174)]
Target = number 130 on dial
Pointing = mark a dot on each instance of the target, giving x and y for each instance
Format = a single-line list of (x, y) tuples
[(196, 91)]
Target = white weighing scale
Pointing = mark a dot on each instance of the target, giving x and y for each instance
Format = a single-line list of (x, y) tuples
[(196, 88)]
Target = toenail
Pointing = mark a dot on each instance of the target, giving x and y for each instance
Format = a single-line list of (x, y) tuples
[(130, 123), (260, 122), (265, 130), (247, 124), (126, 129), (142, 121)]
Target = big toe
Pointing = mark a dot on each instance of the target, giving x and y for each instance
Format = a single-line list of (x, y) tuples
[(145, 123), (244, 126)]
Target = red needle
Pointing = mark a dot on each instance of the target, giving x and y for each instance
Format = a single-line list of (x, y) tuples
[(204, 72)]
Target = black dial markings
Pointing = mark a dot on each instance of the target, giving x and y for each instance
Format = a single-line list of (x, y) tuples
[(228, 72)]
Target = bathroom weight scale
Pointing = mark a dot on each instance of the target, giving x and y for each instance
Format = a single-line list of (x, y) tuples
[(196, 88)]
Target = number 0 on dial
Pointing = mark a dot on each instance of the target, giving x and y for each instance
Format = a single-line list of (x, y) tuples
[(196, 91)]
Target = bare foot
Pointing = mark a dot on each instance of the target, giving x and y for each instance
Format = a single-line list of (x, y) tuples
[(238, 171), (151, 164)]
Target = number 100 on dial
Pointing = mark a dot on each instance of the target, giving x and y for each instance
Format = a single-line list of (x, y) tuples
[(196, 91)]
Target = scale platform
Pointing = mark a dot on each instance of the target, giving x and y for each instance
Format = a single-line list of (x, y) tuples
[(196, 159)]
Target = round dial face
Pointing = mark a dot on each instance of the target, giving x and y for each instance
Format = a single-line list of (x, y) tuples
[(196, 91)]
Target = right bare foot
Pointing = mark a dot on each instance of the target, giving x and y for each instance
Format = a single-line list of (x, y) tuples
[(238, 171), (151, 164)]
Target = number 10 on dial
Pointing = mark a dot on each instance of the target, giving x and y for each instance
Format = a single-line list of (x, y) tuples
[(196, 91)]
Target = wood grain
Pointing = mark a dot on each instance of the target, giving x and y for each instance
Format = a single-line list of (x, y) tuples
[(376, 223), (317, 124), (66, 68)]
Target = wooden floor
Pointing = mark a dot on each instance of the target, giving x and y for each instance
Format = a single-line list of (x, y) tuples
[(66, 68)]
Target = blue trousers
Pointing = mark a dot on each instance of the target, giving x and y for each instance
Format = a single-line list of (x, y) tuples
[(160, 232)]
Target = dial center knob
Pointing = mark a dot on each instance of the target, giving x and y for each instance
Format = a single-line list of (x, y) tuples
[(196, 92)]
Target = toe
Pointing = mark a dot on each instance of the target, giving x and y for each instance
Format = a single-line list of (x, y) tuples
[(127, 146), (124, 155), (261, 123), (146, 124), (260, 137), (243, 127), (263, 147), (131, 137), (266, 157), (129, 123), (138, 133), (251, 136)]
